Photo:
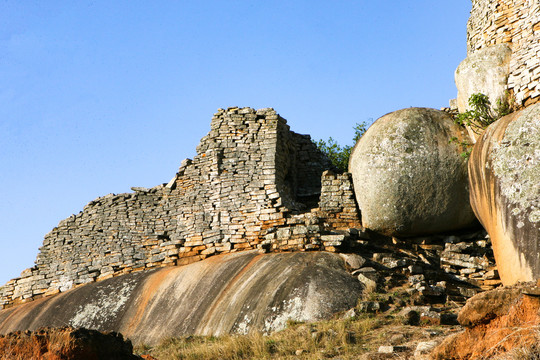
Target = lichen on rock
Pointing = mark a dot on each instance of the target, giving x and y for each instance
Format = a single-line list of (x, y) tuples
[(408, 178), (504, 172), (517, 156)]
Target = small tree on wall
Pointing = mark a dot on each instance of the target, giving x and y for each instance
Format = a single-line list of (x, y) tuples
[(481, 115), (338, 155)]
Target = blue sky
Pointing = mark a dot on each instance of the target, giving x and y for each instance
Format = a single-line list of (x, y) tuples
[(99, 96)]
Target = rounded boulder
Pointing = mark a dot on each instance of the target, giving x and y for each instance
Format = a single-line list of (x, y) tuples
[(408, 178), (504, 175)]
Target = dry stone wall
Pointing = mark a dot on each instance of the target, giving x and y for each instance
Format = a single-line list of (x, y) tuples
[(253, 184), (516, 23)]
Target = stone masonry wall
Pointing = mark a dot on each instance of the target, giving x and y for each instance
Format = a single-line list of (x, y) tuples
[(516, 23), (253, 184)]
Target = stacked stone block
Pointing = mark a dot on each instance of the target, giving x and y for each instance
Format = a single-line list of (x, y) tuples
[(338, 203), (516, 23), (326, 227), (253, 184)]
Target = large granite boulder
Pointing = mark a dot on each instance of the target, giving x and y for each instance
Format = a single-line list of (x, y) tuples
[(234, 293), (504, 172), (408, 179)]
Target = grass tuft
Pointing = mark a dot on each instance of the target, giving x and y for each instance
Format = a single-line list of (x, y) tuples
[(325, 339)]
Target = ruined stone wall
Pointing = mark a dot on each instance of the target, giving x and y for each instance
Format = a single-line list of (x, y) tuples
[(516, 23), (253, 184)]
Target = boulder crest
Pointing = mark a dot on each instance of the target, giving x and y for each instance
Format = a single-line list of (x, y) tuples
[(408, 179), (504, 175)]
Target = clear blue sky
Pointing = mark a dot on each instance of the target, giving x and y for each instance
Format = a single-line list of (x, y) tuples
[(99, 96)]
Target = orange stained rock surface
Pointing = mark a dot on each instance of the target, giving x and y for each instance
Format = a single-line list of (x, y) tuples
[(509, 242), (233, 293)]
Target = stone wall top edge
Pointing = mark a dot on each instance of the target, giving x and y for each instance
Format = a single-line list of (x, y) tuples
[(168, 224), (111, 197), (245, 110)]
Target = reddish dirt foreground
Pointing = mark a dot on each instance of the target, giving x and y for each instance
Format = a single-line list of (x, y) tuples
[(65, 344), (497, 321)]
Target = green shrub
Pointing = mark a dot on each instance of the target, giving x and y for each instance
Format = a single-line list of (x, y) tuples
[(480, 116), (338, 155)]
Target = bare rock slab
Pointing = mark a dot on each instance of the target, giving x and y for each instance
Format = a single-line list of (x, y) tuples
[(234, 293)]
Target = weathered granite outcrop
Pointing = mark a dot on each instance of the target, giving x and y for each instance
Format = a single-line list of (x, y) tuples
[(234, 293), (253, 184), (517, 24), (504, 171), (408, 179)]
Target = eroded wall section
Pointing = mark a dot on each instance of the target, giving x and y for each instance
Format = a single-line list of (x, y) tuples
[(253, 184)]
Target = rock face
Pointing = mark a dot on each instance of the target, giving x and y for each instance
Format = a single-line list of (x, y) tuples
[(234, 293), (504, 172), (485, 71), (408, 179)]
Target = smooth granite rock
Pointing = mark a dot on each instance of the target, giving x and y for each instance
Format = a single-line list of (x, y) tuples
[(504, 171), (234, 293), (408, 179)]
